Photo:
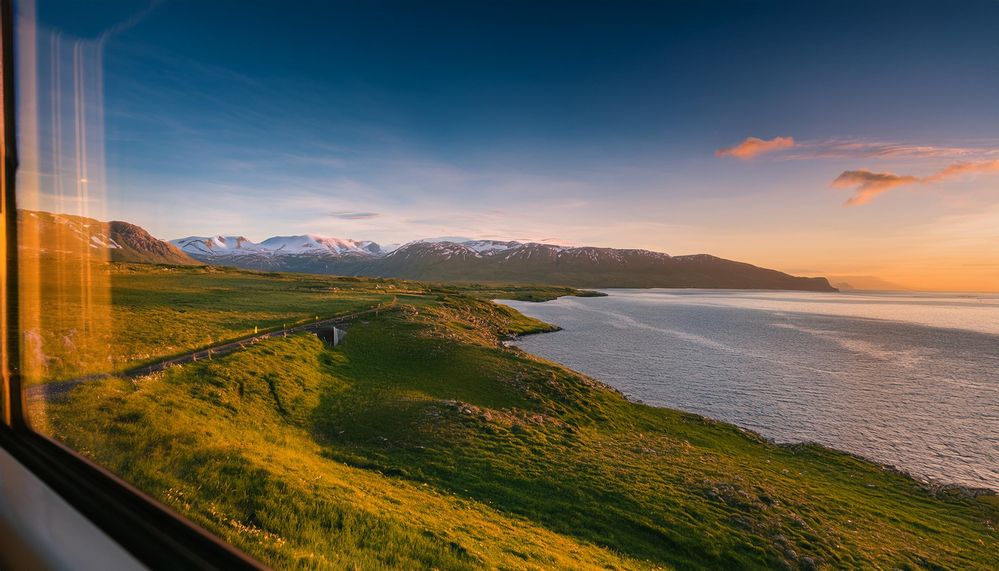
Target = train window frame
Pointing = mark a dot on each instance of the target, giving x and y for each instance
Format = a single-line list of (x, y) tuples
[(156, 536)]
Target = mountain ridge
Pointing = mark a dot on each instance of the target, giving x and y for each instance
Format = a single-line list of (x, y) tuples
[(69, 236), (433, 259), (497, 261)]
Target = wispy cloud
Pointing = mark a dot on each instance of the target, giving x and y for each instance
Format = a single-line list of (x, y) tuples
[(958, 169), (868, 149), (129, 22), (345, 215), (868, 184), (837, 148), (753, 147)]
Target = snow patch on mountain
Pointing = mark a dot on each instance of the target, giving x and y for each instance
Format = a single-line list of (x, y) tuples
[(102, 241), (312, 244), (216, 245), (489, 246)]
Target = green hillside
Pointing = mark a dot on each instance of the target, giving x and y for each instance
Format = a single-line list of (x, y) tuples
[(422, 442)]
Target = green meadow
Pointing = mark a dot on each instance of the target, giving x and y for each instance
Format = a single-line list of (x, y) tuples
[(141, 313), (421, 441)]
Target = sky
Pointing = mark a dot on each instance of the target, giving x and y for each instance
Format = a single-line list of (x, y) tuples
[(847, 139)]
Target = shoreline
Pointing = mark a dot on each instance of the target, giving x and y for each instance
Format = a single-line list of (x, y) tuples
[(934, 486)]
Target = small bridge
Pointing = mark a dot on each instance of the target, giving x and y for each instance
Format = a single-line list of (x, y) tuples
[(332, 335)]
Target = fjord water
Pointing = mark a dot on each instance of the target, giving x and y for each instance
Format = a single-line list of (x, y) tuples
[(905, 379)]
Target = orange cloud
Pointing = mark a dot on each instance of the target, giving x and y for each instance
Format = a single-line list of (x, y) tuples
[(867, 184), (958, 169), (753, 147), (870, 184)]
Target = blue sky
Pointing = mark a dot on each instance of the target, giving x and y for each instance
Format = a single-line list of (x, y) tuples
[(584, 123)]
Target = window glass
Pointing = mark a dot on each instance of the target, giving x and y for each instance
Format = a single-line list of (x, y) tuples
[(523, 286)]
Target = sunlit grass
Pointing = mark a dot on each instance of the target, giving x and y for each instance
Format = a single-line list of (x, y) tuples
[(150, 312), (422, 442), (229, 445)]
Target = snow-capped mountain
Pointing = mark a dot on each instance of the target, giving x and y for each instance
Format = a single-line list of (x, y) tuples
[(308, 244), (308, 253), (459, 259), (489, 246), (215, 245), (480, 246), (312, 244)]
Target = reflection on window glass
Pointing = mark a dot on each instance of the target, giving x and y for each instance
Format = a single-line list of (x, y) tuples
[(281, 268)]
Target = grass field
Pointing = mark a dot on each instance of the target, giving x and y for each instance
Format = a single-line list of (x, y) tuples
[(131, 314), (422, 442), (147, 312)]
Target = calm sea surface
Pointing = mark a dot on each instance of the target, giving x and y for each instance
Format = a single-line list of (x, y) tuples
[(907, 379)]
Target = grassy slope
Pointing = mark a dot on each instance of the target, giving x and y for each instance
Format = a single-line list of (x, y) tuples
[(422, 442), (149, 312), (137, 313), (228, 444)]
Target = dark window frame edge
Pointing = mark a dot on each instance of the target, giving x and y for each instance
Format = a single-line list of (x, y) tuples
[(151, 532)]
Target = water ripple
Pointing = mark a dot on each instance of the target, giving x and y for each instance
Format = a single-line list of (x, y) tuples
[(910, 380)]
